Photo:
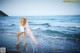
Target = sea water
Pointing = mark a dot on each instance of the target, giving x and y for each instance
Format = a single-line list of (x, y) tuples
[(46, 28), (48, 24)]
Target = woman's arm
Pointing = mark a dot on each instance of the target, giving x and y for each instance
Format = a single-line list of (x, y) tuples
[(31, 35)]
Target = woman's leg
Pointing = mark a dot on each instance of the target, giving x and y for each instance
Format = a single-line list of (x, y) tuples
[(24, 37), (19, 33)]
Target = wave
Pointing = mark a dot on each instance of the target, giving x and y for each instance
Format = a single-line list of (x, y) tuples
[(58, 24), (35, 28), (8, 33), (59, 37), (30, 22), (46, 24), (65, 24), (8, 25), (47, 36), (53, 32), (12, 25), (55, 37)]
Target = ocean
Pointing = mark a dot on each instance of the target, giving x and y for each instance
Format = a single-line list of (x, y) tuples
[(55, 33)]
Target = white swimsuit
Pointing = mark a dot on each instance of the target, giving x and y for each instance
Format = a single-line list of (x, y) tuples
[(22, 28)]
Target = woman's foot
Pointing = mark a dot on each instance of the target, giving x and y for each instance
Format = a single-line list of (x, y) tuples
[(17, 43), (17, 46)]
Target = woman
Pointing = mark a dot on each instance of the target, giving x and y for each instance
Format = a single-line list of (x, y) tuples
[(23, 23)]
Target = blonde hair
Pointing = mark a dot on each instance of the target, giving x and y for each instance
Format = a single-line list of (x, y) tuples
[(23, 20)]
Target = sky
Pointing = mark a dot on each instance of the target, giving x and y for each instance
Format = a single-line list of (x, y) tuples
[(39, 7)]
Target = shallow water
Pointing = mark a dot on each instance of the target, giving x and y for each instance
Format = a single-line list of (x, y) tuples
[(57, 34)]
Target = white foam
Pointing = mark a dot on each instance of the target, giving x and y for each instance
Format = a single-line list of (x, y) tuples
[(65, 24), (55, 37)]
